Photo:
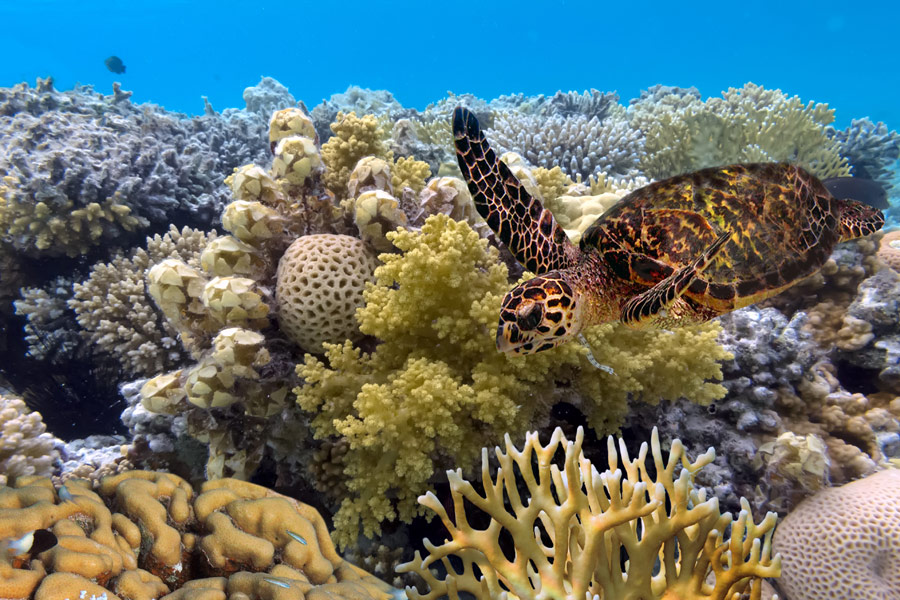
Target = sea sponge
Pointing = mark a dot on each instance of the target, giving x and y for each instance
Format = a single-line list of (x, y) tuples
[(842, 542), (575, 528), (320, 283), (25, 447)]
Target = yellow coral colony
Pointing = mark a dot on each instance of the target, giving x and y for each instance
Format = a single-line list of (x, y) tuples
[(570, 534)]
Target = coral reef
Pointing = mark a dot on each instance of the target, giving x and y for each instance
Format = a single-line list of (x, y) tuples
[(166, 541), (750, 124), (839, 543), (870, 148), (25, 447), (437, 378), (572, 531), (579, 145)]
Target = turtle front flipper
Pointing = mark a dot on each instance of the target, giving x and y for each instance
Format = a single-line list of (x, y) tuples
[(527, 228), (650, 305)]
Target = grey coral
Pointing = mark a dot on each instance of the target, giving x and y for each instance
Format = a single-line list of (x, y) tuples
[(579, 145)]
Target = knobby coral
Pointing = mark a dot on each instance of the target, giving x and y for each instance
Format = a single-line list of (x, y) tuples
[(570, 532), (144, 535)]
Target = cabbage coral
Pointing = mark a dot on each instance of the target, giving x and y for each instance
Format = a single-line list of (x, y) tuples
[(436, 385)]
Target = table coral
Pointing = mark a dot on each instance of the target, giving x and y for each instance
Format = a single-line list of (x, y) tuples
[(843, 542), (144, 536), (437, 378), (571, 531)]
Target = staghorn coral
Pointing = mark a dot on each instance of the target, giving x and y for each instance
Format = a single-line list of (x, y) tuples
[(166, 541), (572, 530), (578, 145), (437, 377), (840, 542), (25, 447), (750, 124)]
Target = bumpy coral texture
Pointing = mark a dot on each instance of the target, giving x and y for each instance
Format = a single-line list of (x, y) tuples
[(321, 279), (25, 446), (117, 315), (750, 124), (354, 138), (843, 542), (437, 377), (870, 148), (572, 531), (80, 170), (166, 541), (580, 146)]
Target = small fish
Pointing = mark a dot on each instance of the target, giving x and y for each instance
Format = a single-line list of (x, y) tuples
[(115, 64), (297, 537), (277, 582), (862, 190), (64, 494), (30, 544)]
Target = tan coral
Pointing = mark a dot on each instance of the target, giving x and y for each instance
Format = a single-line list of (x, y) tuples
[(839, 543), (577, 523), (889, 250), (321, 279), (162, 538), (25, 446)]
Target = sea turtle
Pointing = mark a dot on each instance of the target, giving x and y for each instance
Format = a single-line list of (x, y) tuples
[(681, 250)]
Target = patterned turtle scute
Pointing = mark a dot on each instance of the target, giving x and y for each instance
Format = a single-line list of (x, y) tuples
[(678, 251)]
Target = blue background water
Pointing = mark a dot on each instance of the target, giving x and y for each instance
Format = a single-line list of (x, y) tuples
[(175, 52)]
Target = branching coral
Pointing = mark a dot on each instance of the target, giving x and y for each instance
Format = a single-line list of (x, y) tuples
[(572, 530), (354, 138), (25, 447), (438, 379), (751, 124), (580, 146), (870, 148)]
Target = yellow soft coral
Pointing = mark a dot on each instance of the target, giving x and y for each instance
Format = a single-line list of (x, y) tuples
[(438, 379), (572, 531), (354, 138)]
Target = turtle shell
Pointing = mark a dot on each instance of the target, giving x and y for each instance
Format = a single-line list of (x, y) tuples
[(783, 224)]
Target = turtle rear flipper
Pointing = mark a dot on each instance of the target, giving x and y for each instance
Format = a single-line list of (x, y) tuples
[(527, 228), (858, 219), (649, 305)]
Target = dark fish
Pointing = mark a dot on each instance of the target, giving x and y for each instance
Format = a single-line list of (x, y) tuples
[(30, 544), (859, 189), (115, 64)]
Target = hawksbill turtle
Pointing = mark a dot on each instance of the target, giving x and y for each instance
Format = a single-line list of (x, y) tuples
[(678, 251)]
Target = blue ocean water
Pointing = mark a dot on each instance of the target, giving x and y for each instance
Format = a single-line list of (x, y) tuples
[(177, 51)]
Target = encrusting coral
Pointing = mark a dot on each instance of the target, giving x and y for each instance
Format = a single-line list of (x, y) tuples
[(570, 533), (144, 535), (437, 378), (843, 542)]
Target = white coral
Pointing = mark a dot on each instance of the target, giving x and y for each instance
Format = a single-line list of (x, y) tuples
[(25, 447)]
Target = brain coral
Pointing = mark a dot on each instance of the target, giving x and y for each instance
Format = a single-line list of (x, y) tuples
[(320, 283), (843, 542)]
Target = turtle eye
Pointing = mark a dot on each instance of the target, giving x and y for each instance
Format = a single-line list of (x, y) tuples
[(529, 315)]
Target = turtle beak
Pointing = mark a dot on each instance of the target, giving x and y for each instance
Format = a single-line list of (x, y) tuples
[(506, 332)]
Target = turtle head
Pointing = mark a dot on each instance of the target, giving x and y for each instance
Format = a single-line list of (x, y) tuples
[(539, 314)]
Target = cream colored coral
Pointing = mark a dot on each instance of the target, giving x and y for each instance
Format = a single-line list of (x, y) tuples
[(288, 122), (370, 173), (254, 184), (296, 159), (889, 250), (25, 447), (572, 531), (252, 222), (375, 214), (228, 255), (844, 542), (320, 283)]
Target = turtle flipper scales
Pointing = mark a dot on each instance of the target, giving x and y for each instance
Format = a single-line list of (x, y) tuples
[(648, 306), (527, 228)]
